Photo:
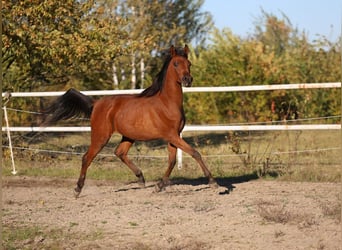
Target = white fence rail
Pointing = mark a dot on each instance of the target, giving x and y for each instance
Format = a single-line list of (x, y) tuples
[(192, 89), (193, 128)]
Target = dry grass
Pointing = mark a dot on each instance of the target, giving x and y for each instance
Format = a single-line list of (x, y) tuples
[(277, 212), (285, 155), (332, 209)]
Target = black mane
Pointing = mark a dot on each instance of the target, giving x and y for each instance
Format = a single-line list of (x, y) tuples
[(158, 82)]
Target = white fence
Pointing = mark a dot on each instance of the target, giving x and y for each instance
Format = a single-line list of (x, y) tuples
[(192, 89), (187, 127), (188, 90)]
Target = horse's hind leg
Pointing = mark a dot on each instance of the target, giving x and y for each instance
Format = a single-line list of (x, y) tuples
[(121, 152), (172, 162)]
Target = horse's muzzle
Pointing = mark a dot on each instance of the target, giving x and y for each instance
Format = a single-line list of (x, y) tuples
[(187, 80)]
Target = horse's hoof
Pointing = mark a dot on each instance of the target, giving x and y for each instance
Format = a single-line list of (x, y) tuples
[(159, 187), (141, 184), (141, 179), (213, 184), (77, 192)]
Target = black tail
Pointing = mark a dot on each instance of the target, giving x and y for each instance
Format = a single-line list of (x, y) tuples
[(72, 104)]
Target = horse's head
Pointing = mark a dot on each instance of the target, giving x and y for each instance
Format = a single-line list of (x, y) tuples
[(181, 64)]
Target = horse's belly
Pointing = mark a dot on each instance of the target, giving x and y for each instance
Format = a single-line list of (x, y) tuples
[(140, 132), (144, 127), (142, 119)]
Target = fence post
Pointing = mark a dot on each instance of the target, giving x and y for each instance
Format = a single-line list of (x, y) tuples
[(9, 137), (180, 156)]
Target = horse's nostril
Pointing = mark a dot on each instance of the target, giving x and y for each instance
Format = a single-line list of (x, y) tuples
[(187, 78)]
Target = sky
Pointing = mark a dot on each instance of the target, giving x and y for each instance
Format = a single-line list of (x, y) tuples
[(312, 16)]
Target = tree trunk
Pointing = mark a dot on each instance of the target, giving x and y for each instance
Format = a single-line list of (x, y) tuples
[(115, 78), (142, 68), (134, 78)]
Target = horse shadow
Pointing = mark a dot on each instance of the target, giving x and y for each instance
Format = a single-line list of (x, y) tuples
[(226, 184)]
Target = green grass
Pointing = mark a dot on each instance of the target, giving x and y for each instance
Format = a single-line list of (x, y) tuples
[(37, 237), (11, 235), (285, 155)]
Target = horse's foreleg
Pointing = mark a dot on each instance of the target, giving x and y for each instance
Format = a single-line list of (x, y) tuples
[(172, 162), (121, 152), (80, 183), (86, 160), (180, 143), (97, 143)]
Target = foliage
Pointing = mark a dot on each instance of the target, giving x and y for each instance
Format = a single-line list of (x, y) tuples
[(156, 25), (49, 43), (275, 54), (53, 45)]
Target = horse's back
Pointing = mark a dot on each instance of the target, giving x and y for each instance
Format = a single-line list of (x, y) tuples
[(105, 110), (113, 101)]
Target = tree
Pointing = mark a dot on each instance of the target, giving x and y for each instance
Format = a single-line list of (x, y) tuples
[(87, 44), (51, 45), (276, 54), (48, 43), (153, 26)]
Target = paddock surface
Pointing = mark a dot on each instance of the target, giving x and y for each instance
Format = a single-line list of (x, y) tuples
[(256, 214)]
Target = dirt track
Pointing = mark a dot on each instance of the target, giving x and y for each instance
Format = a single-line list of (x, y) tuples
[(188, 215)]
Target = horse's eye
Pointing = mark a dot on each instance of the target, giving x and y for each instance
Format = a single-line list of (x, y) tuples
[(175, 64)]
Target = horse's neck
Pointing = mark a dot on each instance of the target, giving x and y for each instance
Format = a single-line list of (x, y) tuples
[(172, 92)]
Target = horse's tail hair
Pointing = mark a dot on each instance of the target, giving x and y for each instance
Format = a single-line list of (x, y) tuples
[(72, 104)]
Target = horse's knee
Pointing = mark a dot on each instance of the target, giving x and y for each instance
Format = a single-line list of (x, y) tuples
[(84, 159), (196, 155), (119, 154)]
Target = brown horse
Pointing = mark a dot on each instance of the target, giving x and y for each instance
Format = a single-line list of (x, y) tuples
[(156, 113)]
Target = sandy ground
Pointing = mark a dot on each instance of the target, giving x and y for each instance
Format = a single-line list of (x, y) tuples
[(255, 214)]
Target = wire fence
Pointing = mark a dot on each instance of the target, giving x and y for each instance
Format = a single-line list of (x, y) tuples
[(238, 127)]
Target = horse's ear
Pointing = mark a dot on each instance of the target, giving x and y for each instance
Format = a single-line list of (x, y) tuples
[(172, 51), (186, 50)]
